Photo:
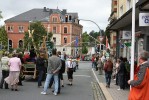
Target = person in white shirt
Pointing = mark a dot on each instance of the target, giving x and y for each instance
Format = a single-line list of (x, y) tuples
[(5, 70), (69, 67)]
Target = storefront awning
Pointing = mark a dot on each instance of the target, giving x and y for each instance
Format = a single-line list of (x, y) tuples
[(124, 20), (144, 4)]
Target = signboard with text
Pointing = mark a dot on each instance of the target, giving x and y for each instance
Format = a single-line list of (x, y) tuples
[(144, 19), (126, 35)]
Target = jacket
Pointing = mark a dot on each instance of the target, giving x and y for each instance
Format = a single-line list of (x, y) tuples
[(140, 84), (54, 64)]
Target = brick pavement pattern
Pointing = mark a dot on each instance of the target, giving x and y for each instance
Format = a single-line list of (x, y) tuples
[(116, 94)]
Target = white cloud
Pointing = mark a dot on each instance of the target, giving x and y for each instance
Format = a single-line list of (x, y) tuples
[(96, 10)]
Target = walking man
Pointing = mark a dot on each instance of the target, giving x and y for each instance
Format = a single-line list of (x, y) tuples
[(54, 65)]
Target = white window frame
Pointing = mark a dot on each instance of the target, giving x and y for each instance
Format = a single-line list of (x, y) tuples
[(11, 29), (21, 29), (54, 19)]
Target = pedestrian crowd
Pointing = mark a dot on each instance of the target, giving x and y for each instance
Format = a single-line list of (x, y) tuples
[(119, 70), (49, 70)]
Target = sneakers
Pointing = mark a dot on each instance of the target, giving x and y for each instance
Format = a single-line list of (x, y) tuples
[(119, 89), (55, 94), (43, 93)]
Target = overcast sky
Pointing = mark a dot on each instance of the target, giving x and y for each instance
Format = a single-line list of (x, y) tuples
[(95, 10)]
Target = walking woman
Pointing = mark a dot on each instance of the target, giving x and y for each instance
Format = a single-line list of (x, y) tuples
[(5, 70), (13, 78)]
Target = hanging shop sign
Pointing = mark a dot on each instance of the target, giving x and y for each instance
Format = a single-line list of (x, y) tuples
[(144, 19), (126, 35)]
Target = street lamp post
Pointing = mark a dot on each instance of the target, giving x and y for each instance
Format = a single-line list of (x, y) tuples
[(98, 28)]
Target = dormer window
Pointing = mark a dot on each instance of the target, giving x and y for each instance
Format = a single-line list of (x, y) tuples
[(54, 19), (70, 18), (66, 18)]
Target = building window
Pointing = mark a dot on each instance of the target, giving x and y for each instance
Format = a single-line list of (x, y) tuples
[(128, 4), (63, 49), (54, 29), (70, 18), (65, 40), (54, 19), (10, 43), (20, 43), (21, 29), (54, 39), (115, 3), (65, 29), (10, 28), (66, 18)]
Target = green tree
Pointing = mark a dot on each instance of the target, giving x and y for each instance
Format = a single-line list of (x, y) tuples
[(1, 15), (84, 50), (39, 32), (85, 38), (3, 37)]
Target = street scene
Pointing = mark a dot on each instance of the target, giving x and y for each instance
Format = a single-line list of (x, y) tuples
[(74, 50)]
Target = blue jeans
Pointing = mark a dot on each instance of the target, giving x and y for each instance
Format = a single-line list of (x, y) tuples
[(108, 77), (48, 79)]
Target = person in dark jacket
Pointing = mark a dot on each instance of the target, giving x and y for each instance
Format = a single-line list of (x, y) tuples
[(108, 67), (40, 66), (121, 74)]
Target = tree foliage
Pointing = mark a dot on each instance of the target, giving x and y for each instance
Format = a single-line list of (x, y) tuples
[(3, 37), (1, 15), (39, 32), (84, 50)]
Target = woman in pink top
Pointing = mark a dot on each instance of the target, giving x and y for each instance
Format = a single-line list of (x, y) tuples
[(15, 66)]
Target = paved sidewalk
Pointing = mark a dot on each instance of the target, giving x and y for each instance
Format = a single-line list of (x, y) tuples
[(115, 94)]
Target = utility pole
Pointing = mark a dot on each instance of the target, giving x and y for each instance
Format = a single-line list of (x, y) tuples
[(133, 40)]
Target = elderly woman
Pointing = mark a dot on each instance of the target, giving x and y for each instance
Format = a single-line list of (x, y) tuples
[(14, 71)]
